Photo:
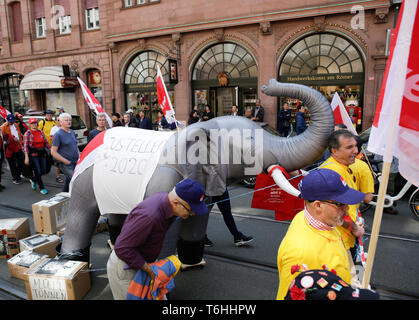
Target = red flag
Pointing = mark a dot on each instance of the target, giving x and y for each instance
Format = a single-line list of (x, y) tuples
[(341, 115), (164, 99), (92, 102), (3, 112), (395, 130)]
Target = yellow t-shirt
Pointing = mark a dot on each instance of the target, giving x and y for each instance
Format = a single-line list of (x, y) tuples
[(46, 128), (332, 164), (363, 175), (304, 244)]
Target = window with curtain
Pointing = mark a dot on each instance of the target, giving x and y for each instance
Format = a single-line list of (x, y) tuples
[(92, 14), (65, 19), (39, 18)]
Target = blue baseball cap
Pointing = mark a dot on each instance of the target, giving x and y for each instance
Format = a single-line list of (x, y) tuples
[(49, 112), (192, 192), (10, 117), (326, 184)]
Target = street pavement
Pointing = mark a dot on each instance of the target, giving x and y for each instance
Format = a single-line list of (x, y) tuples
[(236, 273)]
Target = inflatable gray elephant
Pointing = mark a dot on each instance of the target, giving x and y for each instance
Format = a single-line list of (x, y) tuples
[(123, 166)]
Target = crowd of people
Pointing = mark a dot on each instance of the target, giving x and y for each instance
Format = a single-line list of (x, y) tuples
[(324, 236)]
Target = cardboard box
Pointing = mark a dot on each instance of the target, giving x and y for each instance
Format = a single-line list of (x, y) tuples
[(51, 215), (21, 262), (11, 231), (57, 280), (41, 243)]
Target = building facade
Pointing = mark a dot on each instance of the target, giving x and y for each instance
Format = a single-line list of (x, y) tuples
[(215, 53)]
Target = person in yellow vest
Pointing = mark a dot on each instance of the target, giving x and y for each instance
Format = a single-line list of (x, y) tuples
[(46, 125), (344, 150), (312, 241)]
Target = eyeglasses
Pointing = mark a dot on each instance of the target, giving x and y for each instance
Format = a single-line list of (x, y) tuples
[(337, 204), (191, 213)]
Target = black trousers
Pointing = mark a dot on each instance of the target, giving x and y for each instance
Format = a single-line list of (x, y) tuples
[(16, 162)]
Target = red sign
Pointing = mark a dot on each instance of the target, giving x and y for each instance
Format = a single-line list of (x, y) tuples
[(286, 206)]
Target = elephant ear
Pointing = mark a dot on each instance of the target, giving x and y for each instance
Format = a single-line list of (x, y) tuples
[(204, 162)]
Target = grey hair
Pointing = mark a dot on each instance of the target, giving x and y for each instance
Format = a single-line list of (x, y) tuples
[(100, 115), (64, 115)]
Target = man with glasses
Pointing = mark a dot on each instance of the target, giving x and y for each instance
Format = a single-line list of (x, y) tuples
[(142, 235), (312, 241)]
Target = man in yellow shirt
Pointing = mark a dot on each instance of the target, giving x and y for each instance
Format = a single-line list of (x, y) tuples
[(46, 125), (312, 240), (344, 149)]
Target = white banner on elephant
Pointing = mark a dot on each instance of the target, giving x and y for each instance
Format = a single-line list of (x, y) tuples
[(125, 161)]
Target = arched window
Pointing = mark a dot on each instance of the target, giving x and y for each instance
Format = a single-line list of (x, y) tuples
[(143, 68), (230, 58), (140, 82), (321, 54)]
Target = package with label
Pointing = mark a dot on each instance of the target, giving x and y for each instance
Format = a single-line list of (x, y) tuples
[(21, 262), (57, 280), (41, 243), (11, 231), (51, 215)]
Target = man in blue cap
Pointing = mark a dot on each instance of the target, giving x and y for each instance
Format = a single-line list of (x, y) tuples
[(13, 144), (312, 241), (142, 235)]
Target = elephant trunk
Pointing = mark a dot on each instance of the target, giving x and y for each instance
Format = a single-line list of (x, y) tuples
[(302, 150)]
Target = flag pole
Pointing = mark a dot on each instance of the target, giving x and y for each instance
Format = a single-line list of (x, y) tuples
[(378, 214)]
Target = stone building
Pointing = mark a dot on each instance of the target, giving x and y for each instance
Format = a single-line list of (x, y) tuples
[(216, 52)]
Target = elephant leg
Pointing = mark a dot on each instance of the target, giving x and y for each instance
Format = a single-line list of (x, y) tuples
[(115, 223), (83, 215), (191, 238)]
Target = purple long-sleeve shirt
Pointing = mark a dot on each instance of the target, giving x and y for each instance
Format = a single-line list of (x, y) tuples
[(143, 232)]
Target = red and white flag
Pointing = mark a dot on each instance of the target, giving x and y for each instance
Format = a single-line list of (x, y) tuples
[(341, 115), (395, 130), (92, 102), (3, 112), (163, 98)]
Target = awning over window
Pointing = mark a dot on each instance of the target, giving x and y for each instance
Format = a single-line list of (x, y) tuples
[(43, 78)]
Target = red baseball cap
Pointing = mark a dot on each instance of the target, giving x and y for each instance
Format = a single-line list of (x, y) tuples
[(32, 120)]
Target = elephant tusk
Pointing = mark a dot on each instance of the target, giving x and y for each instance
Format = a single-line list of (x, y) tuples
[(283, 182)]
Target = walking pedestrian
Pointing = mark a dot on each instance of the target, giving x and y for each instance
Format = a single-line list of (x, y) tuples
[(344, 150), (223, 203), (312, 240), (13, 143), (142, 235), (64, 149), (34, 146)]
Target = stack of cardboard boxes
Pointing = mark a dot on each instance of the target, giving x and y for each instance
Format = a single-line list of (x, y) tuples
[(33, 257)]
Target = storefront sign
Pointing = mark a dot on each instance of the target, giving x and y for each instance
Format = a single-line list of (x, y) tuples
[(69, 82), (335, 78)]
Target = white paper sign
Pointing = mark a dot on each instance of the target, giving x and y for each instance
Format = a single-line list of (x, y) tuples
[(47, 288), (123, 166)]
